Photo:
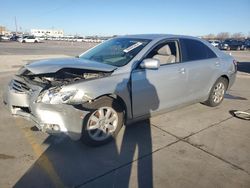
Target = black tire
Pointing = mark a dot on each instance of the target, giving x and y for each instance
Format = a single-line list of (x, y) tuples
[(23, 41), (92, 107), (210, 101), (35, 41)]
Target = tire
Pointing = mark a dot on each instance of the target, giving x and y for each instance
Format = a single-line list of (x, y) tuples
[(215, 99), (35, 41), (23, 41), (104, 112)]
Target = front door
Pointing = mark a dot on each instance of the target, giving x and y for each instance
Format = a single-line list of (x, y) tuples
[(155, 90)]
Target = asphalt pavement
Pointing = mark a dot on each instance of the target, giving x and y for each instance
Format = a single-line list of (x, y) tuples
[(44, 48), (196, 146)]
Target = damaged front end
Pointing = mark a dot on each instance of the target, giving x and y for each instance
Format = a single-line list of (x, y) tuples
[(61, 77), (53, 91), (44, 99)]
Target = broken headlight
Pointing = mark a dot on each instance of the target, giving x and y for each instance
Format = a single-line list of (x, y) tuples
[(56, 97)]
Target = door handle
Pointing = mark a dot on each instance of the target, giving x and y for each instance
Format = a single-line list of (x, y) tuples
[(217, 64), (182, 70)]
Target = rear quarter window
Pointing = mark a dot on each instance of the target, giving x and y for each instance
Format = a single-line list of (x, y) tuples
[(193, 50)]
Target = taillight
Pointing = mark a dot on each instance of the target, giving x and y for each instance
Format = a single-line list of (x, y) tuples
[(235, 65)]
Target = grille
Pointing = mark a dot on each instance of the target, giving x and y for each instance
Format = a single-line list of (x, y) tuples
[(19, 86)]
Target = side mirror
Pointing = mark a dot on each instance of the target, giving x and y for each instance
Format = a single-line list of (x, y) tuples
[(150, 64)]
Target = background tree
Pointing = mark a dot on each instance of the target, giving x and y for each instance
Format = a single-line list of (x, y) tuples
[(238, 36), (209, 36), (223, 35)]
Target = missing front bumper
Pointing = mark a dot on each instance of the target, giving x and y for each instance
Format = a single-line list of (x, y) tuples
[(53, 119)]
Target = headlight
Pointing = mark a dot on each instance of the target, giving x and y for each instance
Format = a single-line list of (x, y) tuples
[(56, 96)]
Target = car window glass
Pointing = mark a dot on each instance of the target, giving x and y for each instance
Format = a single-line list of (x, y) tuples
[(166, 52), (117, 52), (195, 50)]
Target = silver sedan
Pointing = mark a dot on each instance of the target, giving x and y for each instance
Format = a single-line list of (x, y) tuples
[(120, 81)]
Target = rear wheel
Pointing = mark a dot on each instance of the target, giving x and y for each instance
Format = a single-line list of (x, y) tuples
[(217, 92), (23, 41), (103, 122)]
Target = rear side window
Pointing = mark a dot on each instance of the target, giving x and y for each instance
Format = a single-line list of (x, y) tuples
[(195, 50)]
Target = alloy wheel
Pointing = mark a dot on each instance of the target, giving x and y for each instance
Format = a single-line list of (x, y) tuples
[(219, 91), (102, 123)]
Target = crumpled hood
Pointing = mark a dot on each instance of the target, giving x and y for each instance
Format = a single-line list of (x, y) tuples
[(54, 65)]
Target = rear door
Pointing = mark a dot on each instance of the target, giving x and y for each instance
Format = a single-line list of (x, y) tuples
[(203, 66)]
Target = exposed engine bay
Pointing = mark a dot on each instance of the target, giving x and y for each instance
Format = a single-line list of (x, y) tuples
[(62, 77)]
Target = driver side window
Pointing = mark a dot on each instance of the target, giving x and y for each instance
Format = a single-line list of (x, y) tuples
[(166, 53)]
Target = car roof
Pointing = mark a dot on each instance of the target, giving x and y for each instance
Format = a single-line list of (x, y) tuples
[(156, 36), (159, 37)]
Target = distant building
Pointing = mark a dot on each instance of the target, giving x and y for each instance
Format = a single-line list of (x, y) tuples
[(3, 30), (47, 32)]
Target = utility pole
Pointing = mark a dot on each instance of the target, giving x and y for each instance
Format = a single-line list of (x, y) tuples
[(16, 25)]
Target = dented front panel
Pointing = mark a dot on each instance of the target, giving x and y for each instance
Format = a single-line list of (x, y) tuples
[(23, 103)]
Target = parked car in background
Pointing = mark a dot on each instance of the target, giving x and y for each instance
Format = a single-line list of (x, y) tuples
[(120, 81), (247, 44), (232, 45), (224, 46), (5, 38), (14, 38), (78, 39), (215, 43), (29, 39), (42, 38)]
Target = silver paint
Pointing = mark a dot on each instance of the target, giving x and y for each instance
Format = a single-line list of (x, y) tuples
[(144, 91)]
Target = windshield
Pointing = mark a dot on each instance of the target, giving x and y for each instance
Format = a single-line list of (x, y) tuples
[(117, 52)]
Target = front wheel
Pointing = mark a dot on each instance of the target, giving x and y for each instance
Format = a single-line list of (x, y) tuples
[(103, 122), (217, 92)]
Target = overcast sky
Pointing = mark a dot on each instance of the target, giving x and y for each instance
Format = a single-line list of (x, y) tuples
[(109, 17)]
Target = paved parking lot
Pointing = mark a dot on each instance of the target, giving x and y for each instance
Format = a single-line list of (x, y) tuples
[(44, 48), (196, 146)]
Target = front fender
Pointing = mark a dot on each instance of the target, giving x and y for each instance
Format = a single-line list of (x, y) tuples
[(118, 84)]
